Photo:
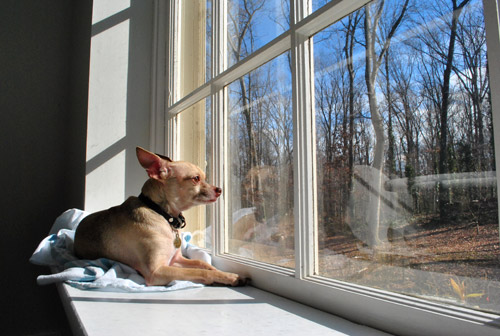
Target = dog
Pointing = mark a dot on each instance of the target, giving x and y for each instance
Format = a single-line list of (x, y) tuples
[(143, 232)]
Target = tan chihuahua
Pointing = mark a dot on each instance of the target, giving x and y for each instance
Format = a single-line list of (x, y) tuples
[(143, 231)]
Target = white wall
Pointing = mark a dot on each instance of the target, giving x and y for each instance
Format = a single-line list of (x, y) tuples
[(119, 100)]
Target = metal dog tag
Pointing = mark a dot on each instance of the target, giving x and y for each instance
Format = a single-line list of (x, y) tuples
[(177, 240)]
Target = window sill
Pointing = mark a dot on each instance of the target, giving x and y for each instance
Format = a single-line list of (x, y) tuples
[(209, 310)]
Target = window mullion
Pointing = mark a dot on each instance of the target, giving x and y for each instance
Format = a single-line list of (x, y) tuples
[(159, 77), (219, 129), (303, 121), (491, 20), (171, 79)]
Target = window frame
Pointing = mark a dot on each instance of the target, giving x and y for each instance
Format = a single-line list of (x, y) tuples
[(392, 312)]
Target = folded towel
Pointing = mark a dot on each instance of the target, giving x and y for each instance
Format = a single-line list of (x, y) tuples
[(56, 251)]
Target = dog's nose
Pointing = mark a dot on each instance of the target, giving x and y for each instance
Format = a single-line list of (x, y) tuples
[(218, 191)]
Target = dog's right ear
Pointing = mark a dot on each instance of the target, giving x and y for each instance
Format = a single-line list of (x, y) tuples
[(164, 157), (156, 167)]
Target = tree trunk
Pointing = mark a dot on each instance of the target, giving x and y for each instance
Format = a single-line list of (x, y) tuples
[(372, 66), (391, 161), (445, 93)]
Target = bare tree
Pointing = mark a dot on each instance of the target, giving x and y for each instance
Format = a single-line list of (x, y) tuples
[(391, 150), (373, 62), (473, 78), (241, 44), (373, 36), (445, 93), (350, 40)]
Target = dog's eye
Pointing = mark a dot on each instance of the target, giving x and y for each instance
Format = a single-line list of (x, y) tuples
[(196, 179)]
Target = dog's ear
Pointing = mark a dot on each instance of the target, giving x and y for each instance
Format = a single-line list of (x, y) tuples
[(164, 157), (157, 167)]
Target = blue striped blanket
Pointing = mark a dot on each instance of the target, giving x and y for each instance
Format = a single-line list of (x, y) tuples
[(56, 251)]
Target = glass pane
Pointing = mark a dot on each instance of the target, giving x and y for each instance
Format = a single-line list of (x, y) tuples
[(316, 4), (193, 47), (208, 40), (252, 24), (407, 191), (260, 186), (195, 140)]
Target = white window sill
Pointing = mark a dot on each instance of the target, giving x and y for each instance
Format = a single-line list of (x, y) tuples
[(204, 311)]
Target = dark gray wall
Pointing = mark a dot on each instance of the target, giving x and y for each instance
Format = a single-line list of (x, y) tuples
[(44, 59)]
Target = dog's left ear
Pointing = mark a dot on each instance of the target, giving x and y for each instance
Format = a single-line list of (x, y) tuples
[(156, 166)]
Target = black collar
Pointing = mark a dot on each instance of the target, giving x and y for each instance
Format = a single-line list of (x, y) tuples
[(176, 223)]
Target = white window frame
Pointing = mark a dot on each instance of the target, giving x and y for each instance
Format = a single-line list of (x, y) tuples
[(392, 312)]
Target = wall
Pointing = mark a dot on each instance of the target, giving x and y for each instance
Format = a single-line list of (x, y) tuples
[(43, 103), (46, 165), (119, 100)]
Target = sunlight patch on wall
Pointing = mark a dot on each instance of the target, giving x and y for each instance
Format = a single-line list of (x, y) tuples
[(107, 112), (101, 196), (108, 88), (104, 9)]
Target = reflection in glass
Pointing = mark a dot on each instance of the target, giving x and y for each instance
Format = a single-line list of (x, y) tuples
[(193, 47), (260, 186), (407, 196), (195, 139)]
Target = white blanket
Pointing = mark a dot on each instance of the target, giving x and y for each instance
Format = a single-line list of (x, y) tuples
[(56, 251)]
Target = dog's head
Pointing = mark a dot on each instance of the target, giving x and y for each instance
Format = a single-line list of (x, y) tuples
[(181, 183)]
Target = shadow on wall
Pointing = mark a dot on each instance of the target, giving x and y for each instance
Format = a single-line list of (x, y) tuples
[(43, 108), (119, 100)]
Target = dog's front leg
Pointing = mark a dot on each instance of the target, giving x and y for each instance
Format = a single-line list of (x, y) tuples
[(179, 260), (194, 263), (165, 274)]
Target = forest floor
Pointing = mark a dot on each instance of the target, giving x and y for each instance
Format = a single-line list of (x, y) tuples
[(458, 263)]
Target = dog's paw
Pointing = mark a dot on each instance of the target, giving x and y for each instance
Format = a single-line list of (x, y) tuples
[(231, 279), (241, 281)]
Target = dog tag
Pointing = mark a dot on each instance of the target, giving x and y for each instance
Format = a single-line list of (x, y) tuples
[(177, 240)]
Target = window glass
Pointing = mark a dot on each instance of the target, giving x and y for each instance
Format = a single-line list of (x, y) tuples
[(253, 23), (195, 142), (316, 4), (407, 191), (260, 164), (208, 40)]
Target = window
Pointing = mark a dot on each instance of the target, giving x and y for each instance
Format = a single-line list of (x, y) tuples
[(355, 144)]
